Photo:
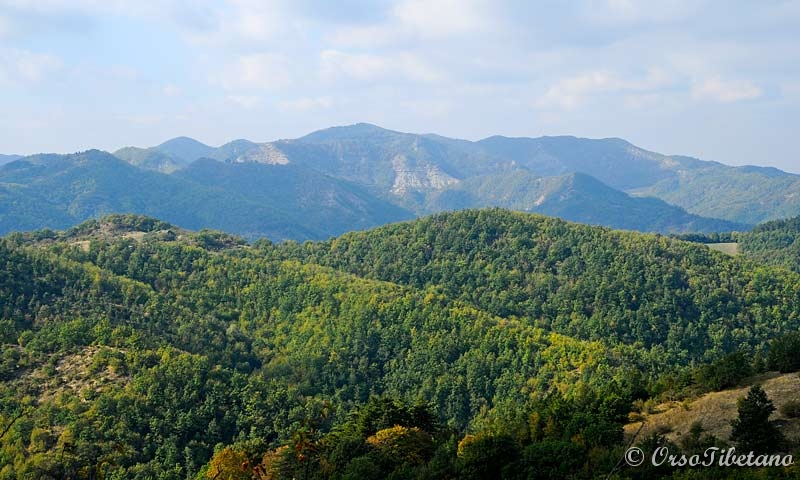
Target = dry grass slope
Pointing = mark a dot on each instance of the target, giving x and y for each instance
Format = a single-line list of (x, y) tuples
[(76, 374), (716, 410)]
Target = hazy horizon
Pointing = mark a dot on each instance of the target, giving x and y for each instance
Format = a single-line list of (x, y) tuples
[(713, 80), (216, 145)]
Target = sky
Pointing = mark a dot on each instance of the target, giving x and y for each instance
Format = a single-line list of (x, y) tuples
[(718, 80)]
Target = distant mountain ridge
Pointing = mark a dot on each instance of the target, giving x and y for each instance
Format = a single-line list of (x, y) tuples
[(373, 175), (167, 157), (8, 158), (410, 169), (59, 191)]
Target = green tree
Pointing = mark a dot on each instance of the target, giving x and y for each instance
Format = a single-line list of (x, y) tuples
[(550, 459), (784, 353), (724, 373), (486, 456), (752, 430)]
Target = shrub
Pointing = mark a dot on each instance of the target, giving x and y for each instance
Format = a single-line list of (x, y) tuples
[(791, 409)]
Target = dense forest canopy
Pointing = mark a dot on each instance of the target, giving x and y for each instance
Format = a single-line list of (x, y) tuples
[(771, 243), (469, 344), (774, 243)]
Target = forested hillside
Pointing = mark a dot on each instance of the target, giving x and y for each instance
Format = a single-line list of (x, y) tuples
[(279, 202), (770, 243), (478, 344), (774, 243), (582, 281)]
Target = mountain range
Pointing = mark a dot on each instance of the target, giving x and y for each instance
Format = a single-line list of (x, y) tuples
[(58, 191), (354, 177)]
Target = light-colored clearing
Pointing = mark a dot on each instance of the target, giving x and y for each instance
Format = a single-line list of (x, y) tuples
[(138, 236), (73, 375), (82, 244), (731, 248)]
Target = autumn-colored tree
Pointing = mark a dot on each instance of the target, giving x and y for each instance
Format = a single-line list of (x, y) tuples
[(229, 464), (403, 444)]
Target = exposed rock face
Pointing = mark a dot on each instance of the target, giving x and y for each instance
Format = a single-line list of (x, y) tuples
[(419, 177), (265, 153)]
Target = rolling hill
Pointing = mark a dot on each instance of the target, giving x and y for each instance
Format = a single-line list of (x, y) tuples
[(167, 157), (134, 349), (773, 243), (59, 191), (576, 197), (324, 205)]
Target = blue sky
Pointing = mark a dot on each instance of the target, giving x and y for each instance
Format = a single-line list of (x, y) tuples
[(715, 79)]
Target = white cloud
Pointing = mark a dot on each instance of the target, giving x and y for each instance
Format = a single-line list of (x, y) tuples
[(725, 91), (149, 8), (255, 20), (572, 92), (204, 22), (650, 90), (617, 12), (405, 66), (453, 65), (439, 18), (258, 71), (410, 20), (24, 67), (245, 24)]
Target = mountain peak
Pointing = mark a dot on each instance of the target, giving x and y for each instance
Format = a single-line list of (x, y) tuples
[(181, 141), (357, 130), (184, 149)]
